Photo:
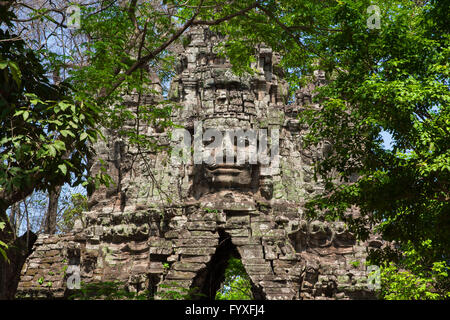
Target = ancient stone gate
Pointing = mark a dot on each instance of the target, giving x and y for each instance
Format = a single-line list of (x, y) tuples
[(167, 223)]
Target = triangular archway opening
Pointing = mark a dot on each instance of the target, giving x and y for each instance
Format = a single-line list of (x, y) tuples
[(211, 279)]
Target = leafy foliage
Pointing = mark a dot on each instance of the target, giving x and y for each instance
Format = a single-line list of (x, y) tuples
[(107, 290), (47, 130), (74, 210), (392, 79), (116, 290), (3, 245), (237, 284), (174, 291), (409, 280), (44, 131), (395, 82)]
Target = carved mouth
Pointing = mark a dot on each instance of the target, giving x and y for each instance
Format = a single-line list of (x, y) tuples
[(232, 169), (219, 170)]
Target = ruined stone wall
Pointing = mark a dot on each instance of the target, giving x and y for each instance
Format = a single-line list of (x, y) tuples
[(165, 224)]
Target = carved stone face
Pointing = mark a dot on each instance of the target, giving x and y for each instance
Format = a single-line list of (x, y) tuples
[(229, 175), (225, 172), (320, 234), (212, 94), (221, 103)]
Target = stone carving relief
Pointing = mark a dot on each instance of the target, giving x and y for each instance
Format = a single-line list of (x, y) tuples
[(168, 223)]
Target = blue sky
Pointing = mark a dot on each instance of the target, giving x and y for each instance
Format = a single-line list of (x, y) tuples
[(387, 139)]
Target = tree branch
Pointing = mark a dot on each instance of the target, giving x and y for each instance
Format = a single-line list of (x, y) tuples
[(226, 18), (151, 55), (282, 25)]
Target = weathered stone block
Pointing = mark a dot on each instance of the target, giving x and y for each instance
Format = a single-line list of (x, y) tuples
[(187, 251), (196, 242), (238, 232), (188, 266), (180, 275), (251, 251), (201, 225), (236, 222), (257, 269), (204, 234)]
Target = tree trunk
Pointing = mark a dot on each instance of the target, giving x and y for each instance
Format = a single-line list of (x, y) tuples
[(52, 212), (18, 251), (14, 218)]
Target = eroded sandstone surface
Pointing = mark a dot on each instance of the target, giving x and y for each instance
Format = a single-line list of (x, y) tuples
[(176, 224)]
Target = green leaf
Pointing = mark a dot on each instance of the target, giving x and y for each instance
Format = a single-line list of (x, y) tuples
[(60, 145), (62, 167), (73, 124), (66, 133), (34, 99), (83, 136), (3, 244), (15, 71), (3, 253), (18, 113), (64, 105), (52, 150)]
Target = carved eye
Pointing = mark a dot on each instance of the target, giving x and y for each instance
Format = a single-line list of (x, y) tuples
[(340, 227), (303, 226), (221, 100), (315, 228)]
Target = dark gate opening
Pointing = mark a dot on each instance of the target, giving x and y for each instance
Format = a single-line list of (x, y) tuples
[(210, 280)]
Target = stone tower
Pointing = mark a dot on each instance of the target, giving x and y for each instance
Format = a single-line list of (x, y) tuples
[(167, 223)]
